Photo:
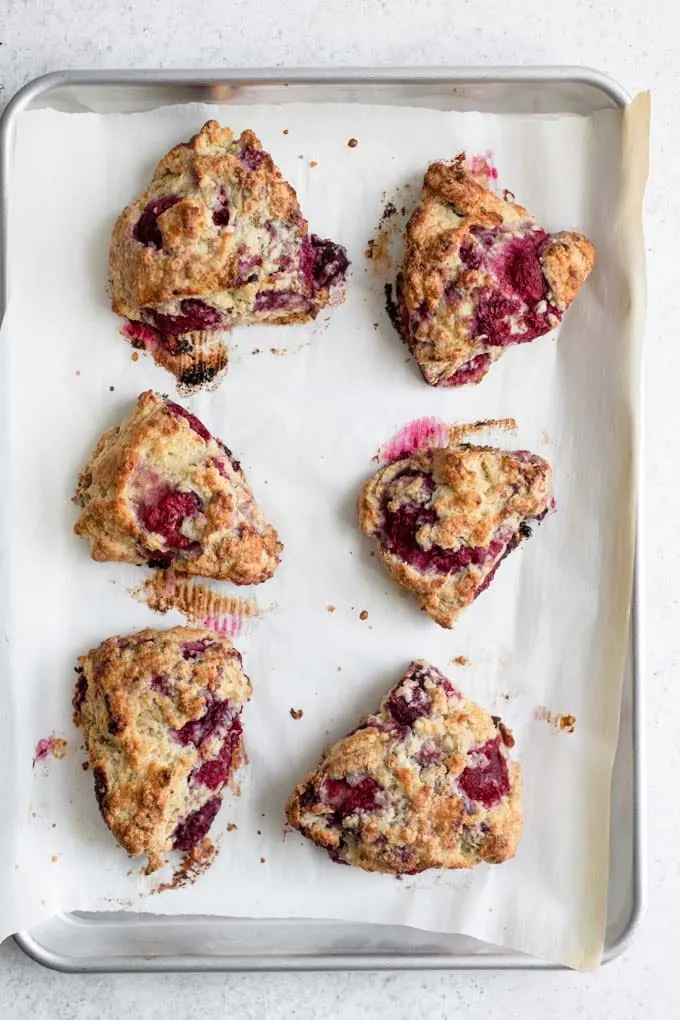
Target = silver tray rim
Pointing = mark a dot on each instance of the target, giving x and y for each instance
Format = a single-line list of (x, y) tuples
[(458, 76)]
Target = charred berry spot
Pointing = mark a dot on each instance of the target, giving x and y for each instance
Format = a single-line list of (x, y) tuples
[(146, 229), (80, 693), (192, 829), (181, 412), (391, 308), (347, 798), (525, 530), (159, 561), (194, 649), (280, 301), (199, 375), (220, 214), (101, 787), (486, 779), (115, 724)]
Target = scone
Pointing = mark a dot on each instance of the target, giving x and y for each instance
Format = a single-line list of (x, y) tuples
[(426, 782), (478, 275), (444, 519), (159, 489), (217, 239), (160, 711)]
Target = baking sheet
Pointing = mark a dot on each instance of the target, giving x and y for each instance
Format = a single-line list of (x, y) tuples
[(551, 630)]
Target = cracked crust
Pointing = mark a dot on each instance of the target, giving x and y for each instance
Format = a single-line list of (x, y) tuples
[(444, 519), (160, 714), (161, 490), (479, 274), (216, 240), (425, 782)]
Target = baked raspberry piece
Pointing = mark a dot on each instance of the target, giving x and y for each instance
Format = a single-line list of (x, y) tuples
[(159, 489), (445, 518), (161, 714), (217, 240), (479, 274), (426, 782)]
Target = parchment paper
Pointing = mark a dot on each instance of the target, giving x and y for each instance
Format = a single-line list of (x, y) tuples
[(551, 631)]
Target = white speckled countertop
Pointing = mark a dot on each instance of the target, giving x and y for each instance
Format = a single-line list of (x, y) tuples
[(636, 42)]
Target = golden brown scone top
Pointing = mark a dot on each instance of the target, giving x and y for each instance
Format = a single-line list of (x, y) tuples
[(160, 711), (159, 489), (480, 275), (445, 518), (425, 782), (216, 240)]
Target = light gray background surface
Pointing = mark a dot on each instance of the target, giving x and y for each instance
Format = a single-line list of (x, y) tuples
[(636, 41)]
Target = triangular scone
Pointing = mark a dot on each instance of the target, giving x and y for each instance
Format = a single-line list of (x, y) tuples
[(160, 711), (161, 490), (445, 518), (216, 240), (426, 782), (479, 274)]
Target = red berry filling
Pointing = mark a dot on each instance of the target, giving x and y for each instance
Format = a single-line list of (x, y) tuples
[(146, 229), (160, 684), (195, 315), (167, 516), (410, 700), (486, 780), (181, 412), (280, 300), (329, 263), (191, 830), (215, 772), (346, 798), (471, 372), (251, 157)]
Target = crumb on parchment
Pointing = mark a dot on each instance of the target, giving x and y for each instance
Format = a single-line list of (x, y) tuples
[(296, 713)]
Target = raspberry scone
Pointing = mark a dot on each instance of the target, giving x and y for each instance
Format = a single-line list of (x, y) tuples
[(444, 519), (160, 711), (216, 240), (478, 275), (159, 489), (426, 782)]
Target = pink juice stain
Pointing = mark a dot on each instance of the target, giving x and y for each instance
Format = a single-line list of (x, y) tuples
[(49, 747), (481, 166), (140, 335), (421, 434), (227, 624)]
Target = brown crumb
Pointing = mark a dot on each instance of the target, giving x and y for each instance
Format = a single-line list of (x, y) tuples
[(559, 723), (331, 609), (372, 553), (339, 669), (85, 766), (506, 735), (263, 860), (301, 156), (231, 826), (352, 143), (313, 162), (296, 713), (363, 615), (77, 371), (460, 660), (134, 356), (285, 131), (256, 350), (375, 325), (191, 867), (259, 831), (54, 858)]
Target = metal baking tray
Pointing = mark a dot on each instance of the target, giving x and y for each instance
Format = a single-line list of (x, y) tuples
[(142, 942)]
